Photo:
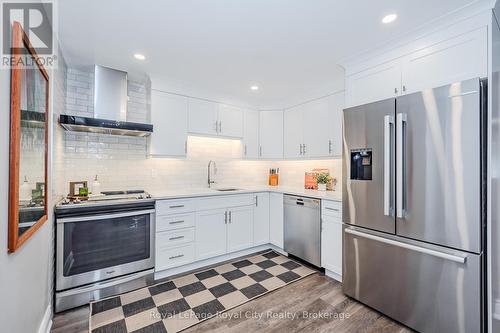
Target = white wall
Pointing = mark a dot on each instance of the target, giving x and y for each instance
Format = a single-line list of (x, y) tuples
[(26, 276)]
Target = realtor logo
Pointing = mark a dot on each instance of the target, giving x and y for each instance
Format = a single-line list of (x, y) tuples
[(36, 19)]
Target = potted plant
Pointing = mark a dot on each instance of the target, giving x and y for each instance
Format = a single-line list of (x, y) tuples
[(322, 178)]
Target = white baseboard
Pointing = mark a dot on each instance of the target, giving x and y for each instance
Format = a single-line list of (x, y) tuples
[(333, 275), (46, 323), (212, 261), (496, 310), (277, 249)]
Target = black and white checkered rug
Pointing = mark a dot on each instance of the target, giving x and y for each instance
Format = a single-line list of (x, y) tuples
[(187, 300)]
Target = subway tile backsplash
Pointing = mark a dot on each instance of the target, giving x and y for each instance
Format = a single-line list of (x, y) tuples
[(122, 163)]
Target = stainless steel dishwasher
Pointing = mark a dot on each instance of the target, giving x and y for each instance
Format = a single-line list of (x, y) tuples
[(303, 228)]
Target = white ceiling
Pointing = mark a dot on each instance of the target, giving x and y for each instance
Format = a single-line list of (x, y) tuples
[(288, 48)]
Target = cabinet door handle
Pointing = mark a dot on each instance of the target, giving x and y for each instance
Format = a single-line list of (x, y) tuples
[(216, 123), (329, 146), (225, 217), (177, 237), (334, 209), (304, 149), (300, 153), (229, 216), (185, 147), (256, 201), (245, 150), (260, 151), (401, 124), (177, 222), (404, 88), (388, 137), (177, 256), (395, 91), (177, 206)]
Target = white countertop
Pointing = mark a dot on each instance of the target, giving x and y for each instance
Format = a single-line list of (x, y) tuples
[(204, 192)]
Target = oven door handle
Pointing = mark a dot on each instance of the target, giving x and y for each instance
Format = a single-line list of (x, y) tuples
[(104, 216)]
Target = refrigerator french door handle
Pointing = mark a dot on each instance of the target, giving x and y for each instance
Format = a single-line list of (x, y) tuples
[(434, 253), (388, 127), (401, 122)]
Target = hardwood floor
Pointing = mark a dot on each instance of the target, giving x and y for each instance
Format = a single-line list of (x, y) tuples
[(315, 294)]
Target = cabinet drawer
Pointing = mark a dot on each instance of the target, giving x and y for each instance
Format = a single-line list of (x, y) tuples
[(174, 238), (176, 221), (167, 207), (331, 208), (173, 257), (225, 201)]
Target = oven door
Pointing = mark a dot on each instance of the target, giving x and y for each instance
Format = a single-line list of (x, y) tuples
[(98, 247)]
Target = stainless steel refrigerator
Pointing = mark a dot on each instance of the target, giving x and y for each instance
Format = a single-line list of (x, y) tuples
[(414, 207)]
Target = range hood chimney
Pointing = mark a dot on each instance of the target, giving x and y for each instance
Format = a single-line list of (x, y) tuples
[(110, 107)]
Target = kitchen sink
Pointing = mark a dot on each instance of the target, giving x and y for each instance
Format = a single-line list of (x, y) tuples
[(226, 189)]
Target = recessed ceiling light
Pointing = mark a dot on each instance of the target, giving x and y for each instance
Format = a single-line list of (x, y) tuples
[(254, 87), (139, 56), (389, 18)]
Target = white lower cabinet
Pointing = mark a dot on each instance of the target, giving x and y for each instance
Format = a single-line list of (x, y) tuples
[(189, 230), (261, 219), (210, 233), (169, 257), (276, 223), (239, 228), (331, 239)]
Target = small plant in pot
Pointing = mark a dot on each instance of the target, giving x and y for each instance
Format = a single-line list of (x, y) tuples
[(323, 179)]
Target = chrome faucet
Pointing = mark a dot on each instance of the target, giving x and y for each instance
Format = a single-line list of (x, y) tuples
[(210, 181)]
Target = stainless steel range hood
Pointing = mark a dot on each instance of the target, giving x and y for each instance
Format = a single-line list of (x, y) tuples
[(110, 108)]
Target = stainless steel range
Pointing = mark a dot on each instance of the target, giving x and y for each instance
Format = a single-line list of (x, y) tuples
[(104, 246)]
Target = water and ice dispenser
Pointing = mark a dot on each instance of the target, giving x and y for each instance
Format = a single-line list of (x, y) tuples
[(361, 164)]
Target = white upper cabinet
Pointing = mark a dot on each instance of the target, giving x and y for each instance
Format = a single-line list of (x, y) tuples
[(374, 84), (251, 134), (169, 115), (271, 135), (319, 128), (314, 129), (435, 63), (336, 104), (203, 117), (230, 121), (456, 59), (293, 126), (210, 118)]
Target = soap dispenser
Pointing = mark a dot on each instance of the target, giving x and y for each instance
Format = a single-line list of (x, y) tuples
[(96, 186), (25, 190)]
